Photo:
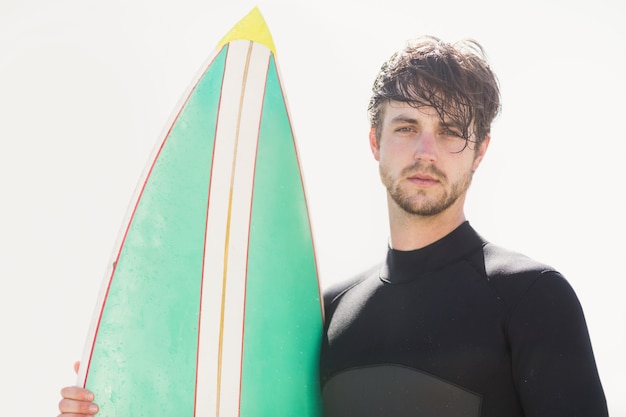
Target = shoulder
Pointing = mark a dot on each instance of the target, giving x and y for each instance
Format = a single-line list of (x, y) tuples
[(336, 291), (518, 280), (501, 262), (512, 271)]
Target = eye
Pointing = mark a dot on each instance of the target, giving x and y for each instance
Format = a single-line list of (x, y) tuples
[(452, 140), (452, 132)]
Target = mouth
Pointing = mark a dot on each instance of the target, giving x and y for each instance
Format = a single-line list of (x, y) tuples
[(423, 179)]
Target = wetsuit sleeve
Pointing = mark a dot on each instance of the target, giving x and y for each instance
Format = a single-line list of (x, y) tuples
[(552, 358)]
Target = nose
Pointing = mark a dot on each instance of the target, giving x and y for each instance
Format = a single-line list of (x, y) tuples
[(425, 146)]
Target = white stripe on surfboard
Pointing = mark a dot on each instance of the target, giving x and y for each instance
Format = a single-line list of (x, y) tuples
[(223, 290)]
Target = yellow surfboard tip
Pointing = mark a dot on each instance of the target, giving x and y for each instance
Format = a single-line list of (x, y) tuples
[(252, 27)]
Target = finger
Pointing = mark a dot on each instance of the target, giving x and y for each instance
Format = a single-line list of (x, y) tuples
[(72, 407), (74, 415), (76, 366), (77, 393)]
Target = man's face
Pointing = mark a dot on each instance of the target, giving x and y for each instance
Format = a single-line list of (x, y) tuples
[(423, 161)]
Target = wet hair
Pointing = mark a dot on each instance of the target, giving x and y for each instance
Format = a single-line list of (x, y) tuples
[(453, 78)]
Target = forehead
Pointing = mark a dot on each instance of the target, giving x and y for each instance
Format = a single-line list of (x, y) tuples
[(397, 111)]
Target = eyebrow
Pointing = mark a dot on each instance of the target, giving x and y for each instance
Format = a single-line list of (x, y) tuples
[(411, 120), (404, 119), (450, 125)]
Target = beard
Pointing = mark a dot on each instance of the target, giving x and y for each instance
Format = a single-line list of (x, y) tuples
[(422, 202)]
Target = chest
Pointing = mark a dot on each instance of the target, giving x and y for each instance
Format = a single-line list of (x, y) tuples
[(448, 323)]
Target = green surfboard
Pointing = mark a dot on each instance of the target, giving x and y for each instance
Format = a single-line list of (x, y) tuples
[(212, 304)]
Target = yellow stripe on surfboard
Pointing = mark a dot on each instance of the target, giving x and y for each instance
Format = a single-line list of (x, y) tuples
[(252, 27)]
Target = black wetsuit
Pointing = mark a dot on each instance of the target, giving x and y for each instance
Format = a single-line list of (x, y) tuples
[(458, 328)]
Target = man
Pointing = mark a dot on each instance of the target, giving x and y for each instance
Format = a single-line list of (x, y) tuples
[(449, 324)]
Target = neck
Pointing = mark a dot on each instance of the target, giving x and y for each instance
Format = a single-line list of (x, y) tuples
[(410, 231)]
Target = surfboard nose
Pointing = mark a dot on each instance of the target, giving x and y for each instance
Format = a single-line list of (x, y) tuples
[(251, 27)]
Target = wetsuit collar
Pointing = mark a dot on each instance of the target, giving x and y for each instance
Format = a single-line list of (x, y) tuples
[(404, 266)]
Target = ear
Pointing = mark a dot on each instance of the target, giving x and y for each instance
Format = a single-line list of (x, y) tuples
[(482, 150), (374, 144)]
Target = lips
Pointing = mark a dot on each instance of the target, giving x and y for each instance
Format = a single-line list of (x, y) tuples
[(422, 179), (423, 174), (425, 177)]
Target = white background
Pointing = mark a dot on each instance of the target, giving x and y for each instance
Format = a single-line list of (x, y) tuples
[(86, 88)]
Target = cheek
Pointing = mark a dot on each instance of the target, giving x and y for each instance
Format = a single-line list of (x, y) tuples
[(388, 157), (456, 168), (394, 150)]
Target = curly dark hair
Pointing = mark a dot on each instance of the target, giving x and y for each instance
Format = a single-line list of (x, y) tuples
[(453, 78)]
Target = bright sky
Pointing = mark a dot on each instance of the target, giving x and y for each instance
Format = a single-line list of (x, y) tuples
[(86, 88)]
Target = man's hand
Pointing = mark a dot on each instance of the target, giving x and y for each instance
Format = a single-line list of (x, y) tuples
[(77, 401)]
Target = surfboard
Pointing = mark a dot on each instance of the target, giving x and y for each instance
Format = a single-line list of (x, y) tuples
[(211, 305)]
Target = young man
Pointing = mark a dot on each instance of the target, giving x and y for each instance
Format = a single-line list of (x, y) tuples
[(449, 324)]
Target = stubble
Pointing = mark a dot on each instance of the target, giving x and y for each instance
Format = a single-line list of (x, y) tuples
[(424, 202)]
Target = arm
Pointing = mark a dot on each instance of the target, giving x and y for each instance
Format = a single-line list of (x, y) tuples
[(553, 363)]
